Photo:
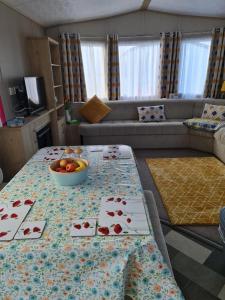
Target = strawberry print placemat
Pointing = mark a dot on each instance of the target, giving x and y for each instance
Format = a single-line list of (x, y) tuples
[(61, 266), (122, 216)]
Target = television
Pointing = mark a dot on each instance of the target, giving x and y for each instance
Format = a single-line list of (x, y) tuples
[(35, 92)]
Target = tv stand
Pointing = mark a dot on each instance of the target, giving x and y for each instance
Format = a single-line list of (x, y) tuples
[(37, 114)]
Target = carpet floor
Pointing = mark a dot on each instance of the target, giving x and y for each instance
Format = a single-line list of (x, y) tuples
[(205, 233), (196, 252), (191, 188)]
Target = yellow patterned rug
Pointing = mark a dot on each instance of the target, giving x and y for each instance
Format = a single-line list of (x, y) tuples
[(192, 188)]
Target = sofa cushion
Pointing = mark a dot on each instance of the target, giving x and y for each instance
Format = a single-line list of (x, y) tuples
[(153, 113), (94, 110), (203, 124), (199, 105), (214, 112), (133, 128)]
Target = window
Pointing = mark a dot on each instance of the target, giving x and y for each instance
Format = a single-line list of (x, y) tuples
[(139, 69), (94, 62), (194, 57)]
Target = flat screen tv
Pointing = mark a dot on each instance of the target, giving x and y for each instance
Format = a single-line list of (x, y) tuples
[(35, 90)]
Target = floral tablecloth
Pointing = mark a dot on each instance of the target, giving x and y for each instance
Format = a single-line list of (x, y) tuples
[(58, 266)]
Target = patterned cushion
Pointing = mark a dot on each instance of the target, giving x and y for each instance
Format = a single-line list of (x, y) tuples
[(151, 113), (204, 124), (94, 110), (214, 112)]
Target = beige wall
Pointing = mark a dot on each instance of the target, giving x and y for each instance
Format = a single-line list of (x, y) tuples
[(14, 29), (139, 23)]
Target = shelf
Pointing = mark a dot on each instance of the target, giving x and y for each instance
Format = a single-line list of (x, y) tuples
[(45, 57), (55, 65), (42, 114), (58, 106)]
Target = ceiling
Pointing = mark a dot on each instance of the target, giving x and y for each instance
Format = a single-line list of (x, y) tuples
[(55, 12)]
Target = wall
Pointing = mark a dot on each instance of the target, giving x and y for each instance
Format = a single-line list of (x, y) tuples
[(14, 64), (139, 23)]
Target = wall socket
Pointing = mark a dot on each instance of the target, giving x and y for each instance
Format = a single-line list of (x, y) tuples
[(12, 91)]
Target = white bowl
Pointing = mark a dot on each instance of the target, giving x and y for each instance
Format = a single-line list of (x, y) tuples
[(69, 178)]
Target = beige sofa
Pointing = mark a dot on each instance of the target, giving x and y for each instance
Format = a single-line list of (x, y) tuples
[(121, 126), (219, 144)]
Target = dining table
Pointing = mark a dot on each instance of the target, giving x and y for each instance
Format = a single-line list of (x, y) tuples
[(58, 266)]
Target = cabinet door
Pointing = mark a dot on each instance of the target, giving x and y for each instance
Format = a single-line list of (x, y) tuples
[(11, 151), (29, 141)]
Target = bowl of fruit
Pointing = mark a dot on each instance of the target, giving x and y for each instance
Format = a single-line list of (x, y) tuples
[(69, 171)]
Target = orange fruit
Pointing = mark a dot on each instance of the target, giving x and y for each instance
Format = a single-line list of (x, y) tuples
[(63, 163)]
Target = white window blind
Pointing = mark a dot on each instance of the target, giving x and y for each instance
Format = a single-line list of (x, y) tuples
[(194, 57), (139, 69), (95, 72)]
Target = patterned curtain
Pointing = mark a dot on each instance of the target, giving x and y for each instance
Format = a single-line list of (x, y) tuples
[(169, 57), (216, 67), (72, 67), (113, 68)]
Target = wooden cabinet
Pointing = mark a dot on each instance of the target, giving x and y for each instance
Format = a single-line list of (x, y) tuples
[(20, 143)]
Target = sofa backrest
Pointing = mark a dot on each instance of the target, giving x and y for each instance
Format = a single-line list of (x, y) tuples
[(174, 108)]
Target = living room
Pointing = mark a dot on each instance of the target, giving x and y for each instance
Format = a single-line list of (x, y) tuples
[(112, 149)]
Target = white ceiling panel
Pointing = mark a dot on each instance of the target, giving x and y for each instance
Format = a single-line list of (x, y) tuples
[(208, 8), (53, 12)]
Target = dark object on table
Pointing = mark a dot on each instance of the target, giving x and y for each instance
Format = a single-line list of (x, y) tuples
[(16, 122)]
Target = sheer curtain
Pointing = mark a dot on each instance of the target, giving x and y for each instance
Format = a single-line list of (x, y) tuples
[(139, 69), (194, 57), (95, 70)]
